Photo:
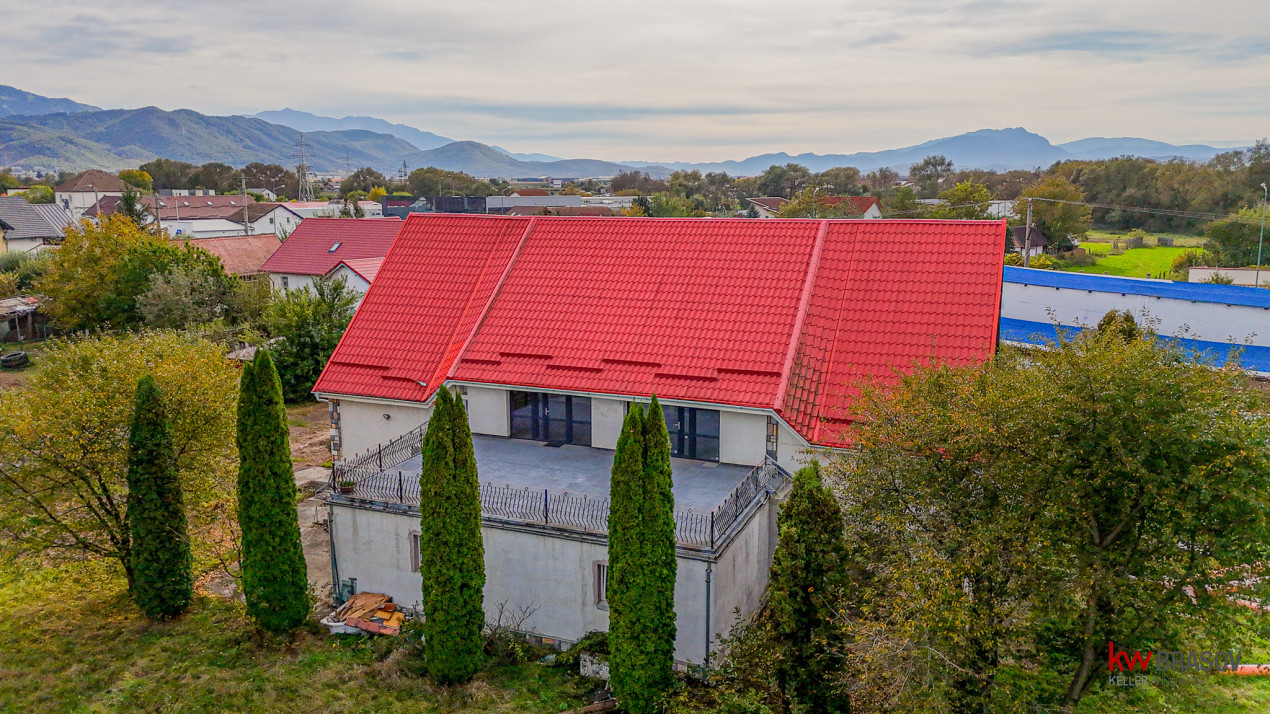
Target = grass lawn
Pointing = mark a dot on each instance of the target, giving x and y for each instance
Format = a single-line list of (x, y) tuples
[(1179, 239), (1135, 263), (71, 641)]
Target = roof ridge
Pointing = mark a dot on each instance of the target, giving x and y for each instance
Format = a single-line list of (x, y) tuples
[(498, 287), (813, 267)]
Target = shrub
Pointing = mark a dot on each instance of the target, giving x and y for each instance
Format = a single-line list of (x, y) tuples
[(1013, 259), (1182, 264), (1078, 258), (1136, 239), (8, 284), (161, 562), (275, 577), (1044, 262), (1219, 279), (310, 323)]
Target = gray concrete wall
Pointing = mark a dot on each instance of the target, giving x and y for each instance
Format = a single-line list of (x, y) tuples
[(742, 438), (488, 411), (363, 426), (606, 422), (792, 451), (741, 574), (554, 576)]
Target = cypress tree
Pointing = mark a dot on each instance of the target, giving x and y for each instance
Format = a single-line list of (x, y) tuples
[(160, 555), (642, 562), (275, 577), (807, 578), (451, 552)]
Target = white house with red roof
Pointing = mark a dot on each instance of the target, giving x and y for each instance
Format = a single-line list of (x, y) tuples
[(318, 245), (357, 273), (754, 335)]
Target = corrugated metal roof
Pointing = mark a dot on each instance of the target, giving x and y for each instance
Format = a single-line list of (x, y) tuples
[(1197, 292), (26, 221), (782, 315)]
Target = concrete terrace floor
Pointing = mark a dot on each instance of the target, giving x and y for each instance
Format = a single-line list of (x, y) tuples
[(700, 485)]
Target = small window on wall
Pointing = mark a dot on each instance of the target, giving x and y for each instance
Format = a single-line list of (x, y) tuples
[(414, 551), (773, 436), (602, 585), (284, 282)]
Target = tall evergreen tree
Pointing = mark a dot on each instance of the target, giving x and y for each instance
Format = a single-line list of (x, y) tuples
[(641, 592), (275, 578), (808, 573), (161, 563), (451, 552)]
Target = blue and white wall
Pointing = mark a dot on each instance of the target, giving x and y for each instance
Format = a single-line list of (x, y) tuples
[(1213, 319)]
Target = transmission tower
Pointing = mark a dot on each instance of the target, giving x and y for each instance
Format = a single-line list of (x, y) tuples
[(302, 172)]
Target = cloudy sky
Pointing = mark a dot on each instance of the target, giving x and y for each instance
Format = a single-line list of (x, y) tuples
[(692, 81)]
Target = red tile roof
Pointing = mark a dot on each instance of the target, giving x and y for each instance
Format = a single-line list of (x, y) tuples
[(771, 203), (365, 267), (308, 250), (861, 203), (241, 255), (784, 315), (94, 180)]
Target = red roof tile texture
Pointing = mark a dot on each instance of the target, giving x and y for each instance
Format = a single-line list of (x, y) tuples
[(780, 315), (365, 267), (241, 255), (308, 250)]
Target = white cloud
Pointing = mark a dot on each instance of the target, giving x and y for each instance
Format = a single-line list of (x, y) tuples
[(704, 80)]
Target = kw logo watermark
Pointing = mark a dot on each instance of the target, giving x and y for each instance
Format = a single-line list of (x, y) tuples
[(1166, 662)]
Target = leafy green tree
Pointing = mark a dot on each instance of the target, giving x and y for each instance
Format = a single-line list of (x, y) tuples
[(363, 179), (811, 203), (431, 181), (38, 194), (1062, 222), (169, 174), (1232, 241), (638, 183), (219, 177), (881, 181), (903, 203), (64, 442), (929, 174), (1147, 501), (965, 201), (137, 178), (451, 553), (809, 572), (274, 574), (161, 561), (642, 562), (840, 181), (310, 323), (182, 298), (784, 181), (131, 207), (143, 264), (8, 181), (82, 279), (274, 177)]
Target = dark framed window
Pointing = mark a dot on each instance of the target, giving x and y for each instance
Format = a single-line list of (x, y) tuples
[(556, 418), (694, 433)]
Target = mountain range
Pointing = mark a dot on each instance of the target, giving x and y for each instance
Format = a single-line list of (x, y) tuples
[(63, 134)]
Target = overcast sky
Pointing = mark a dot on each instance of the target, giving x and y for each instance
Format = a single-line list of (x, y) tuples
[(693, 80)]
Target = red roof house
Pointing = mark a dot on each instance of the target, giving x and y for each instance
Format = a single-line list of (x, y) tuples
[(241, 255), (784, 316), (317, 245)]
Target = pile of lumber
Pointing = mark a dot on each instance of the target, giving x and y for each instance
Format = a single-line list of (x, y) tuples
[(370, 612)]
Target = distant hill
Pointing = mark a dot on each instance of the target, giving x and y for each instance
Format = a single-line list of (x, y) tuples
[(526, 157), (305, 121), (122, 138), (14, 101), (1102, 148), (1000, 149), (485, 161)]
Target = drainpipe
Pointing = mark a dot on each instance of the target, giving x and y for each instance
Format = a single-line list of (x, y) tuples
[(709, 570), (335, 570)]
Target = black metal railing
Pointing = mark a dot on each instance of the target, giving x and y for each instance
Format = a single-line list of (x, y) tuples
[(380, 457), (561, 509)]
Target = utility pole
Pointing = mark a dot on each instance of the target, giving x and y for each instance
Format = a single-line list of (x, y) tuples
[(1027, 237), (246, 223), (1256, 276)]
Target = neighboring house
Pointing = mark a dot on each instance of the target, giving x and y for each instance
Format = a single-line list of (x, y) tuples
[(267, 193), (331, 209), (592, 211), (210, 216), (81, 192), (865, 206), (357, 273), (31, 228), (1217, 322), (1022, 241), (243, 256), (319, 244), (754, 335)]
